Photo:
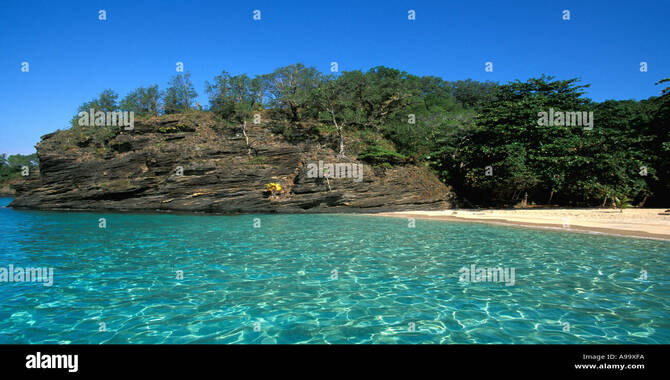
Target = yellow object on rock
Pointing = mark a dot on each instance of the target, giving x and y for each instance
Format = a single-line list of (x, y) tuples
[(273, 187)]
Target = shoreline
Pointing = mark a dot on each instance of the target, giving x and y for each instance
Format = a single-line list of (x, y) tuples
[(637, 223)]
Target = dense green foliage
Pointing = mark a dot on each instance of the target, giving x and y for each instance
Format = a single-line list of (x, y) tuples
[(11, 167), (485, 139), (106, 102), (179, 97), (234, 98), (142, 101), (569, 165)]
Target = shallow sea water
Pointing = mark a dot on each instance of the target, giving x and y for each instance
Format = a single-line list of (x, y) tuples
[(323, 279)]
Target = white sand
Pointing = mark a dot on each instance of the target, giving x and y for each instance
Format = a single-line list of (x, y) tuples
[(632, 222)]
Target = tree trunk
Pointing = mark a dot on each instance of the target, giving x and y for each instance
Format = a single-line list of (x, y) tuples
[(244, 131), (294, 111), (550, 196), (643, 201), (341, 145), (339, 130), (515, 195)]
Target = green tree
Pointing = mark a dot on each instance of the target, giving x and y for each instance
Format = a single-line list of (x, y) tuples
[(180, 95), (142, 101), (289, 90), (386, 95), (659, 146), (522, 155), (472, 93), (431, 120), (234, 98), (333, 98), (667, 89), (11, 167), (107, 101)]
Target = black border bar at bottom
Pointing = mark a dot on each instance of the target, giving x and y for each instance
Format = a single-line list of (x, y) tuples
[(337, 360)]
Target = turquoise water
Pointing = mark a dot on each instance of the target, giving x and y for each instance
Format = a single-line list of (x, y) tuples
[(323, 279)]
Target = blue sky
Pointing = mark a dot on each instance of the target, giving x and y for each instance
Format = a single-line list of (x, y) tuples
[(73, 56)]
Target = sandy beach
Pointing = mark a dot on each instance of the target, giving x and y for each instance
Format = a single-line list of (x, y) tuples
[(643, 223)]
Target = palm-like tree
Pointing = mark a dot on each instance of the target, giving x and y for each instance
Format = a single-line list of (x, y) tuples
[(622, 203)]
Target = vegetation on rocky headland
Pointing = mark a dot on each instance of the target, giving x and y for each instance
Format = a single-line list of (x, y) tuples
[(486, 140)]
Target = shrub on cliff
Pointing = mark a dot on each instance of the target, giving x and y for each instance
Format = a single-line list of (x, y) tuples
[(379, 156)]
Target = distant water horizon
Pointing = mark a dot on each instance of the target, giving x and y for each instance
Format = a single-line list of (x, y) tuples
[(322, 278)]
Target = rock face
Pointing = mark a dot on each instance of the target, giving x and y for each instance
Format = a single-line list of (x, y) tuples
[(188, 163)]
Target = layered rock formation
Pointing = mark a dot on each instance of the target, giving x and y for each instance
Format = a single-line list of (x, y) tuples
[(190, 163)]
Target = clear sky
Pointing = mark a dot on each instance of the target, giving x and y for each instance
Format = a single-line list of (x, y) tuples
[(73, 56)]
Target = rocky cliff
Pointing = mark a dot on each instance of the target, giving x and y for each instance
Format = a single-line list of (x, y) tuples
[(192, 163)]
